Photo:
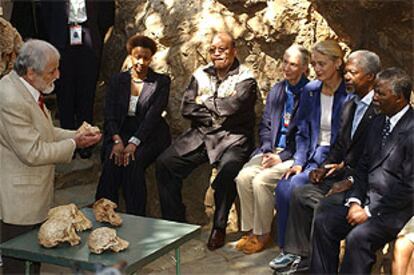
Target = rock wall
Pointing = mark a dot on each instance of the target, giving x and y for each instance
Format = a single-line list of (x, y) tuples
[(263, 30)]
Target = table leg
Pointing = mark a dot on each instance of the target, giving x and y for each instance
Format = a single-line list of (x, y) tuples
[(177, 261), (27, 268)]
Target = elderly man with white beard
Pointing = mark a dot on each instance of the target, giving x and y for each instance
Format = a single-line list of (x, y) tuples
[(30, 145)]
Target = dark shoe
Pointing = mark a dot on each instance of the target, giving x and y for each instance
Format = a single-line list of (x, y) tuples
[(85, 153), (217, 239)]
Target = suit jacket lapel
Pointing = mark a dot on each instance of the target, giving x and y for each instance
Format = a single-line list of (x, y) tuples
[(148, 89), (125, 92), (27, 96), (366, 119), (317, 117), (340, 97), (348, 113), (394, 138)]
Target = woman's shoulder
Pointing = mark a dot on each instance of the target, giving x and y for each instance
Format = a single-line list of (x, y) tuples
[(161, 76), (313, 85), (119, 76), (311, 88)]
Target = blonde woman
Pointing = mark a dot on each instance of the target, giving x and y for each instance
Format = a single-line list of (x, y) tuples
[(318, 126)]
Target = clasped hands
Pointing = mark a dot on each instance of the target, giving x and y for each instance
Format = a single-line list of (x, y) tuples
[(122, 155), (319, 174), (270, 159), (87, 136)]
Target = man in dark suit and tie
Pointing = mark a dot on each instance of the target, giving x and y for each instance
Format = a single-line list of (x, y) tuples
[(360, 71), (381, 199), (219, 102)]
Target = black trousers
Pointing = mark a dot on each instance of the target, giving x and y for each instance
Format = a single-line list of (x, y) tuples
[(132, 177), (75, 89), (13, 265), (362, 241), (171, 169), (303, 205)]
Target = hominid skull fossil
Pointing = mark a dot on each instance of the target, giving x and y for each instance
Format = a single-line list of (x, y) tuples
[(105, 238), (57, 230), (71, 212), (104, 211)]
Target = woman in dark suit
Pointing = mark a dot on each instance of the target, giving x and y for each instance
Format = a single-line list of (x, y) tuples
[(135, 132)]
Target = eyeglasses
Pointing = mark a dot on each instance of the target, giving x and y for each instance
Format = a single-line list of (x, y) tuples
[(219, 50)]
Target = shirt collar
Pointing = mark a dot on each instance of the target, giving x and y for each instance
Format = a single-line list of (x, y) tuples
[(234, 69), (32, 90), (395, 118), (296, 88), (366, 100)]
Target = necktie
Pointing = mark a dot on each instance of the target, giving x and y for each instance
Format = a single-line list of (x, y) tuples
[(41, 103), (386, 131)]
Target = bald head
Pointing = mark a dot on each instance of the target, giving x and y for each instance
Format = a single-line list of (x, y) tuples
[(225, 36), (222, 53)]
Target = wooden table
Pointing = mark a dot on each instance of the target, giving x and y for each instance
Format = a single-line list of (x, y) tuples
[(148, 240)]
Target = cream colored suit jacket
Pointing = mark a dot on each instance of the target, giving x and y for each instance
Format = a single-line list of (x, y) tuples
[(29, 148)]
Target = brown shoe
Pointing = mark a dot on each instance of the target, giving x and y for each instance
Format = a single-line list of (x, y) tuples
[(255, 245), (217, 239), (242, 242)]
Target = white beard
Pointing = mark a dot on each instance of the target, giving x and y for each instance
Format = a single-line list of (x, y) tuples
[(49, 89)]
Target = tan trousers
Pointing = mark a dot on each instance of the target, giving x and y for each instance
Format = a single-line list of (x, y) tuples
[(255, 187)]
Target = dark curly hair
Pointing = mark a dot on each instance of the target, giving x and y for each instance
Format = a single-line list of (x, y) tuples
[(141, 41)]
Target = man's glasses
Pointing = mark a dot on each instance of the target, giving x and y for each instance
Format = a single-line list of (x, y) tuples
[(219, 50)]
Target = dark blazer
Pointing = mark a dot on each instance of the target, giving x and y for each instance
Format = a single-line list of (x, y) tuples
[(349, 149), (384, 178), (270, 124), (309, 117), (54, 20), (151, 103)]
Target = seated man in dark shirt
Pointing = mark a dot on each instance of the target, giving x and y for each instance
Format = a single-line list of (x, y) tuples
[(219, 102)]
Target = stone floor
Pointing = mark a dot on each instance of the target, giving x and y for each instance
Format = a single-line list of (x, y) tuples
[(73, 186)]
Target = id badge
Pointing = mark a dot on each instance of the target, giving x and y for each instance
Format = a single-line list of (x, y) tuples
[(286, 119), (76, 35)]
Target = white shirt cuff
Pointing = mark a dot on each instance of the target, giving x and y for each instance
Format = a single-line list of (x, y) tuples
[(366, 209), (351, 200), (135, 141)]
